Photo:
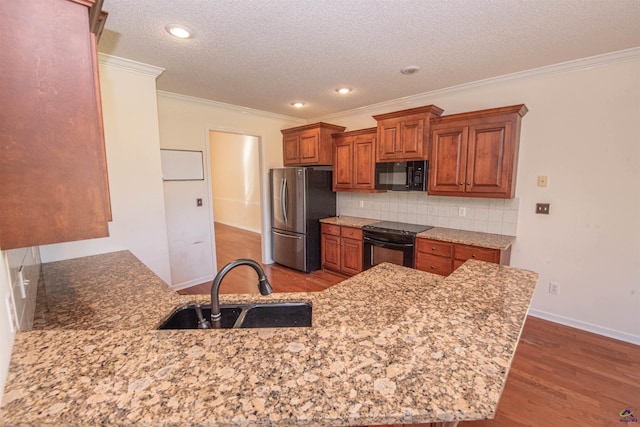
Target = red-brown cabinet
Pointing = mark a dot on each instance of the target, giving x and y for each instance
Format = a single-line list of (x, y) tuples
[(475, 154), (53, 170)]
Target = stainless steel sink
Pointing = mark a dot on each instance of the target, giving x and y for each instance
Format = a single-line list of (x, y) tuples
[(265, 315)]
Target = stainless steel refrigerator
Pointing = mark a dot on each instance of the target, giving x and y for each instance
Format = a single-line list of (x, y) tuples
[(300, 197)]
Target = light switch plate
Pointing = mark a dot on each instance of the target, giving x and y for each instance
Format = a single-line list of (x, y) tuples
[(542, 208), (542, 181)]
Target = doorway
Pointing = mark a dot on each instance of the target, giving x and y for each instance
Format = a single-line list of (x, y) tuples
[(237, 190)]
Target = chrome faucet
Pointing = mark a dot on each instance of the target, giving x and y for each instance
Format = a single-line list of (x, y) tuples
[(263, 284)]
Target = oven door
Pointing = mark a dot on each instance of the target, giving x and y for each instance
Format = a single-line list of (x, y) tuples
[(379, 248)]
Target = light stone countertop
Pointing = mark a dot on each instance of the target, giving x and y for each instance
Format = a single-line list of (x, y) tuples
[(472, 238), (391, 345)]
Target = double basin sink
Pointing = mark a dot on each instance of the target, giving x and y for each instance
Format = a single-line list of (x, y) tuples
[(267, 315)]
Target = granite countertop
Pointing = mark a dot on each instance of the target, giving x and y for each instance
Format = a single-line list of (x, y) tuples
[(391, 345), (349, 221), (472, 238)]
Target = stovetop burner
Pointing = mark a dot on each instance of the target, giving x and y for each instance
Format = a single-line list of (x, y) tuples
[(398, 227)]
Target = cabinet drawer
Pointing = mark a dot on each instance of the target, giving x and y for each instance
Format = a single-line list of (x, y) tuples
[(433, 264), (332, 229), (352, 233), (464, 252), (434, 247)]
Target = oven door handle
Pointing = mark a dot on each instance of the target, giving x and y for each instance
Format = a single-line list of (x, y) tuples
[(384, 244)]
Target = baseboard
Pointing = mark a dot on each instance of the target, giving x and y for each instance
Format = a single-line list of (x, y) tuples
[(190, 283), (589, 327)]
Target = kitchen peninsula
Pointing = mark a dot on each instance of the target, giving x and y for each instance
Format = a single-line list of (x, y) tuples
[(391, 345)]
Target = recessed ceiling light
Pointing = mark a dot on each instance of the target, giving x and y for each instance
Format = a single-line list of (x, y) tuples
[(344, 90), (298, 104), (178, 31), (411, 69)]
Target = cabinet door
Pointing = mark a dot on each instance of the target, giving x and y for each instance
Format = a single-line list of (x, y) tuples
[(490, 158), (351, 256), (343, 171), (330, 252), (433, 264), (364, 162), (411, 138), (448, 163), (388, 132), (309, 146), (52, 172), (291, 149)]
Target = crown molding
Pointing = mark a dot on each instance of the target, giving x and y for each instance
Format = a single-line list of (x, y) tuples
[(129, 65), (422, 98), (237, 108)]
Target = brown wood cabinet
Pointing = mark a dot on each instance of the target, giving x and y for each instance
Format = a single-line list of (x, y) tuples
[(404, 135), (475, 154), (354, 160), (309, 144), (53, 163), (341, 249), (443, 258)]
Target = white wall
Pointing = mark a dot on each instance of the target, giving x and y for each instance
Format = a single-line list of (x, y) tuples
[(235, 180), (6, 332), (135, 177), (185, 123), (581, 131)]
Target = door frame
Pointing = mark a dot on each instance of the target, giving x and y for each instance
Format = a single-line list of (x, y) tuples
[(265, 199)]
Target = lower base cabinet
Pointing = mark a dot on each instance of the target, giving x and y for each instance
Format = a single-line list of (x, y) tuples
[(341, 249), (443, 258)]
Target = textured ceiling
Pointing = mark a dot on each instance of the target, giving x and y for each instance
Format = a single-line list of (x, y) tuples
[(264, 54)]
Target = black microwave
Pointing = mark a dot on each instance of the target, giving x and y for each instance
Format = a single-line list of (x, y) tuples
[(402, 176)]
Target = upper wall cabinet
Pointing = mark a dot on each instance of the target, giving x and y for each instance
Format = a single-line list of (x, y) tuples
[(404, 135), (354, 160), (475, 154), (309, 144), (52, 163)]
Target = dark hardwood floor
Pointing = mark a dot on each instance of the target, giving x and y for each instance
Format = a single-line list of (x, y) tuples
[(560, 376)]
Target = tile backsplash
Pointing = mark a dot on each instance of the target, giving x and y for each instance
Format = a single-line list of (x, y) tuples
[(497, 216)]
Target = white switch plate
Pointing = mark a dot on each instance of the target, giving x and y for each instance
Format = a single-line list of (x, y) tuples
[(362, 203)]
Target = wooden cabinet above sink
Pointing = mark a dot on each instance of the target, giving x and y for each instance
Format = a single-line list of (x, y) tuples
[(53, 172)]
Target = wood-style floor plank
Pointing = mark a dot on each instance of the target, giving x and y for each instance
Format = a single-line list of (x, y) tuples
[(233, 243), (560, 376)]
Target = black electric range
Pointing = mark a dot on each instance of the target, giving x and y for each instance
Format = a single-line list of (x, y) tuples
[(389, 241), (393, 227)]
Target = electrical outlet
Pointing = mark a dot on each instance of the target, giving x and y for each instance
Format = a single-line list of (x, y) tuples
[(542, 208), (554, 288), (462, 211), (542, 181), (199, 202), (362, 203)]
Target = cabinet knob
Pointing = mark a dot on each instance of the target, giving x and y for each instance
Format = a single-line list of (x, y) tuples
[(468, 183), (473, 256), (433, 249)]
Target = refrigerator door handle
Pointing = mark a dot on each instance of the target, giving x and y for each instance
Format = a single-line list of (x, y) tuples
[(287, 235), (284, 201)]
